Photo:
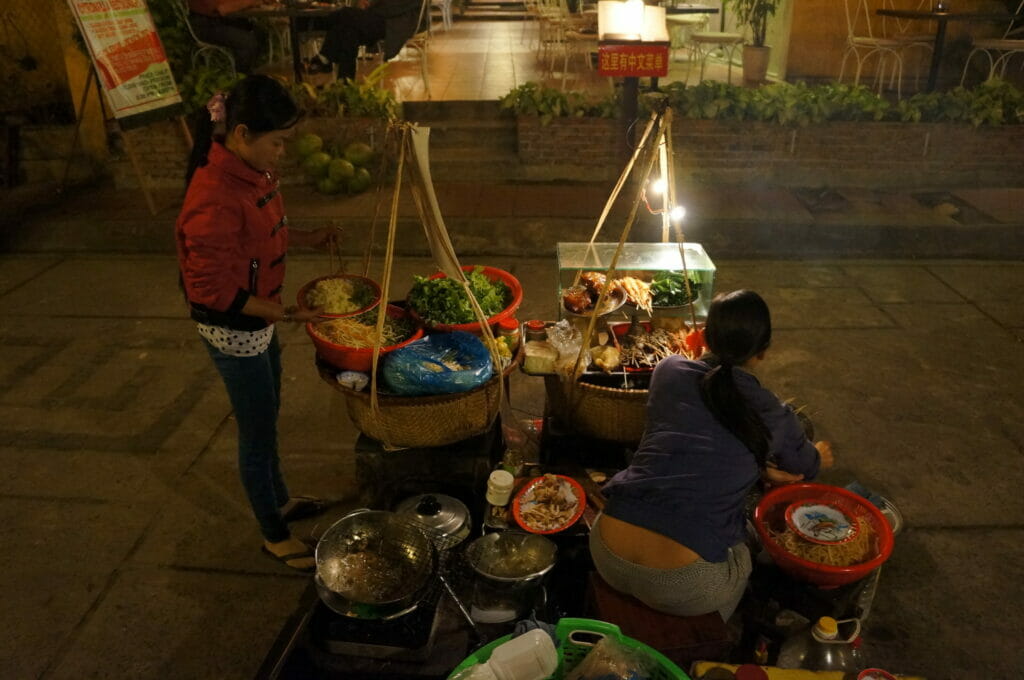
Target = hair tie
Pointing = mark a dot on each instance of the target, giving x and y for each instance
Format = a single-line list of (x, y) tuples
[(216, 108)]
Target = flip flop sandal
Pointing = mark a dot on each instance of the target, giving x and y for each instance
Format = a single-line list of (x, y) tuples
[(303, 507), (285, 559)]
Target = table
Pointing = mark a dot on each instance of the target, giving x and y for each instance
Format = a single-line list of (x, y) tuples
[(941, 19), (293, 14)]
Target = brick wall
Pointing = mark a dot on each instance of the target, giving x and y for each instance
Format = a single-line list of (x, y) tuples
[(162, 150), (836, 154)]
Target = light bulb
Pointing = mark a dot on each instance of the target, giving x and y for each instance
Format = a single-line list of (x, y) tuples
[(659, 186), (677, 213)]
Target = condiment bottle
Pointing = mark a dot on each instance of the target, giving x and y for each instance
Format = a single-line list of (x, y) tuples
[(535, 330), (509, 329), (499, 493), (820, 648)]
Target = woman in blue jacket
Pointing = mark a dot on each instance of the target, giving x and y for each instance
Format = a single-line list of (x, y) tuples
[(672, 533)]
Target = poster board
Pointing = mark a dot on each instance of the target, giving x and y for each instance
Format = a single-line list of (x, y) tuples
[(129, 59)]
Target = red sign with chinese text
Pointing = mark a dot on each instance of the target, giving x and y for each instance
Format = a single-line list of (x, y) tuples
[(632, 60)]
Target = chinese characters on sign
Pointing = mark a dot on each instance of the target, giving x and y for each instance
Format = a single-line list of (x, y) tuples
[(632, 60), (126, 51)]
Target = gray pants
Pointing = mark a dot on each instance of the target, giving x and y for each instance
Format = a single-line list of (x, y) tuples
[(692, 590)]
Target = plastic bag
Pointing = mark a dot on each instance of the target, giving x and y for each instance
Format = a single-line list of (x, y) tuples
[(567, 339), (611, 660), (442, 363)]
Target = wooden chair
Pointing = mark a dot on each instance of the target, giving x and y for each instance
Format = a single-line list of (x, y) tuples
[(683, 639)]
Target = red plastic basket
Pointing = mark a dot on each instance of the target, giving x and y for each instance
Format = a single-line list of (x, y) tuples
[(494, 274), (300, 297), (770, 514), (357, 358)]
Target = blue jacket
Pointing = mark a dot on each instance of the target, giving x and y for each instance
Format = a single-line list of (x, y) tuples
[(690, 476)]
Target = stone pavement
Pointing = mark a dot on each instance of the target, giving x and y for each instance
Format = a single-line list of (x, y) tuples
[(130, 551)]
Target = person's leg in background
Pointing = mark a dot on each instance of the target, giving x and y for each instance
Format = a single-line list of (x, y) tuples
[(237, 35), (349, 29)]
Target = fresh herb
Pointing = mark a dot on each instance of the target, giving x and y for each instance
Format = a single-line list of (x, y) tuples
[(443, 300), (669, 289)]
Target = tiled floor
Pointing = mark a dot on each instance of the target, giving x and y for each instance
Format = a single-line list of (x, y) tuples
[(479, 60)]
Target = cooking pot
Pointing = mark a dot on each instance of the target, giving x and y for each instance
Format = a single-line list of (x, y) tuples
[(372, 564), (509, 571), (445, 520)]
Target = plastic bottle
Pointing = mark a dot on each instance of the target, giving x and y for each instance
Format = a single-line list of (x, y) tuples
[(531, 656), (499, 493), (819, 647)]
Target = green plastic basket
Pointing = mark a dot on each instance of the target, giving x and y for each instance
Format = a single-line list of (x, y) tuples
[(575, 638)]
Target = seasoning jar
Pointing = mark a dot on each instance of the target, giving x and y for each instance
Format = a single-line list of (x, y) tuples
[(509, 329), (535, 331), (499, 494)]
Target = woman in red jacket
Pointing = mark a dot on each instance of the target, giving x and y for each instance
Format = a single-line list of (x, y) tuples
[(232, 236)]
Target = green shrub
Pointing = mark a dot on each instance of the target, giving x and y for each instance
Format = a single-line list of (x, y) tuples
[(531, 99)]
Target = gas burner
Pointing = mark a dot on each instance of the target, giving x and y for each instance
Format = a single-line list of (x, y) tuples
[(408, 637)]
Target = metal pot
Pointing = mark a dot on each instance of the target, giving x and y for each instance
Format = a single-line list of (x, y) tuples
[(372, 564), (445, 520), (510, 568)]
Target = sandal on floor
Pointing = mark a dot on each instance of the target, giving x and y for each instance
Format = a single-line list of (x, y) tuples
[(303, 507), (308, 553)]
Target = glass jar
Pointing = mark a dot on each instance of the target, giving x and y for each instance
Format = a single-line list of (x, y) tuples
[(508, 330), (499, 494)]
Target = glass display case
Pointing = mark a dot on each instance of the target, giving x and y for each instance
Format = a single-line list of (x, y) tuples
[(647, 262)]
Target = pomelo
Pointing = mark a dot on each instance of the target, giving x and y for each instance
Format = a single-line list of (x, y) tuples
[(358, 154), (308, 144), (326, 185), (340, 170), (360, 181), (316, 164)]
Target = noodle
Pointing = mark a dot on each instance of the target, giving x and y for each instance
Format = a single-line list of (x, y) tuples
[(859, 549), (352, 333)]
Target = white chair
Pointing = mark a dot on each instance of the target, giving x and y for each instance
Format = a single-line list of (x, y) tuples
[(682, 26), (420, 42), (862, 45), (999, 51), (446, 12), (703, 43), (899, 30), (205, 50)]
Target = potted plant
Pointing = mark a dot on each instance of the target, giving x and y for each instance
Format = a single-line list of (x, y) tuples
[(754, 14)]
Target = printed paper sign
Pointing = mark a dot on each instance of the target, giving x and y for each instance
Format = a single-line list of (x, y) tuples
[(126, 51), (632, 60)]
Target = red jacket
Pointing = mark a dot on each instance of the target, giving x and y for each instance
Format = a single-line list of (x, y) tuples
[(232, 235)]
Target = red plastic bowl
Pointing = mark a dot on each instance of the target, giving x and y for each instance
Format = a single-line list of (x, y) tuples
[(770, 512), (494, 274), (581, 505), (357, 358), (300, 297)]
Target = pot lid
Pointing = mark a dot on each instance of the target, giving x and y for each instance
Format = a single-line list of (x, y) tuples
[(444, 516)]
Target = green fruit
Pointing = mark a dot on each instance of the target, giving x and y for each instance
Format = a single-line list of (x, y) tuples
[(326, 185), (360, 181), (358, 154), (308, 144), (340, 170), (316, 165)]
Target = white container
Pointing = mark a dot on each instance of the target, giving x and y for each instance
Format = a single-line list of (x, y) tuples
[(531, 656)]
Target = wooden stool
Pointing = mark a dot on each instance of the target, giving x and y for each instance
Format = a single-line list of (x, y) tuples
[(683, 639)]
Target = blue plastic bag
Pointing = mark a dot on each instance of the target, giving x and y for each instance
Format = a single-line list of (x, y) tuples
[(438, 364)]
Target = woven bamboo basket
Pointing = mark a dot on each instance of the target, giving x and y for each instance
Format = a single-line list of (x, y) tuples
[(421, 422), (609, 413)]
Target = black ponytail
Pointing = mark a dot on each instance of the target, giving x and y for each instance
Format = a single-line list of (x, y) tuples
[(260, 103), (738, 328)]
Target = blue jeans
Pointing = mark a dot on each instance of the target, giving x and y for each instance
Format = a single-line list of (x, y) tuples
[(254, 387)]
